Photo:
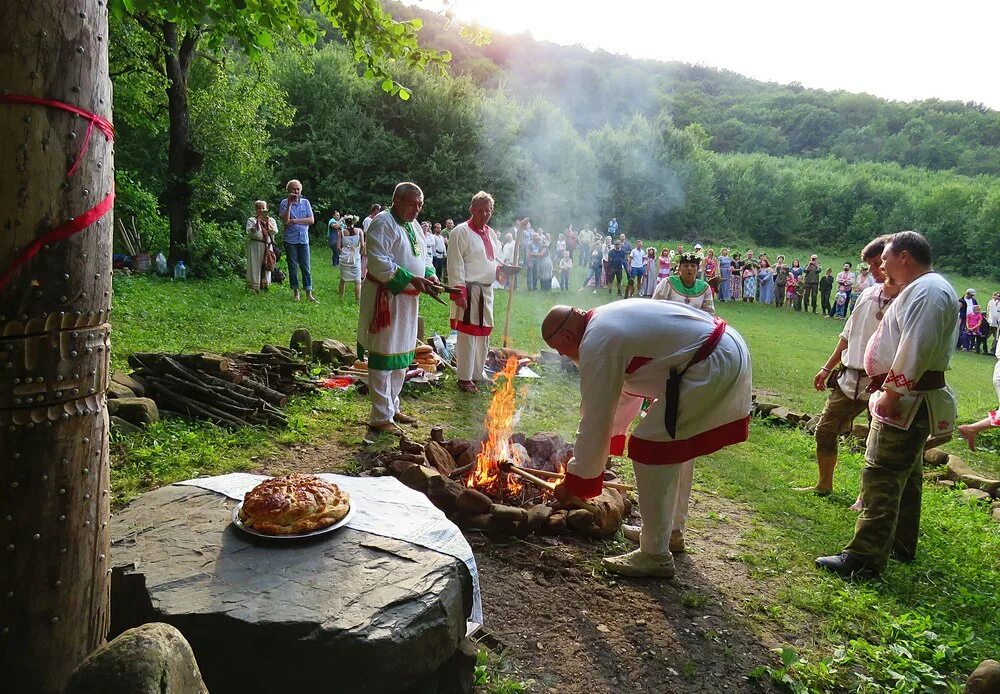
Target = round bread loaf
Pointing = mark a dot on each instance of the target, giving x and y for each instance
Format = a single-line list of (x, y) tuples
[(293, 504)]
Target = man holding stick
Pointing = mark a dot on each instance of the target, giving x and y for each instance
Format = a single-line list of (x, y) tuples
[(398, 272), (906, 359), (693, 366), (473, 265)]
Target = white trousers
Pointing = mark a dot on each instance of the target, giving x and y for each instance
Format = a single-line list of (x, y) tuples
[(383, 389), (471, 351), (664, 492), (996, 378)]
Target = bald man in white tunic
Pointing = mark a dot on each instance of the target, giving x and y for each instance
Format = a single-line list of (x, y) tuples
[(696, 370), (398, 271)]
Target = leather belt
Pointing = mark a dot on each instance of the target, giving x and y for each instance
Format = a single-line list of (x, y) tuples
[(671, 396), (931, 380)]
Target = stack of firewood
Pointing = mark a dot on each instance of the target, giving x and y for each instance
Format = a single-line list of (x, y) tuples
[(241, 390)]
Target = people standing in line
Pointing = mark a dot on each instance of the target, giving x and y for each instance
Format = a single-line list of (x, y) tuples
[(844, 282), (545, 268), (711, 272), (606, 249), (440, 251), (561, 244), (296, 213), (351, 248), (798, 287), (791, 292), (907, 357), (825, 290), (765, 279), (387, 319), (617, 262), (736, 285), (812, 273), (965, 305), (565, 266), (625, 245), (636, 269), (372, 213), (650, 276), (585, 241), (749, 278), (685, 287), (261, 230), (663, 265), (863, 280), (780, 280), (701, 265), (993, 319), (843, 375), (969, 339), (534, 256), (725, 275), (333, 229), (596, 266)]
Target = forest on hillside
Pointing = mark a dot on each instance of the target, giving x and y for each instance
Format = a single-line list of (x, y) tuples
[(564, 135)]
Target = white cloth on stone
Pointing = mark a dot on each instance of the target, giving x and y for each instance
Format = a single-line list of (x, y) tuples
[(382, 506)]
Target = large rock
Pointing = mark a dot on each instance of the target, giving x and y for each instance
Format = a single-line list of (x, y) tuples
[(543, 445), (149, 659), (139, 411), (118, 390), (985, 679), (976, 494), (301, 341), (129, 382), (935, 457), (960, 471), (780, 413), (345, 612)]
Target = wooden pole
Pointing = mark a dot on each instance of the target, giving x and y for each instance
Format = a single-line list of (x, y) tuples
[(54, 344), (510, 286)]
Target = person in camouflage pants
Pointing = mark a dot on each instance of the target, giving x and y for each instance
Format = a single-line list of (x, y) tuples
[(890, 489)]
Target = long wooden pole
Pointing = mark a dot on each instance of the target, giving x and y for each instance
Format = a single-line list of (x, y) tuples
[(54, 344), (510, 286)]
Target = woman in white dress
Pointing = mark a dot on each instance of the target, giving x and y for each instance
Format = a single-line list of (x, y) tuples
[(261, 229), (352, 248)]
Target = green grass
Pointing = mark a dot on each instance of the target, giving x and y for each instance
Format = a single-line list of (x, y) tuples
[(921, 628)]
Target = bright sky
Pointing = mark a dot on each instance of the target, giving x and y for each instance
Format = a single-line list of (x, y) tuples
[(897, 49)]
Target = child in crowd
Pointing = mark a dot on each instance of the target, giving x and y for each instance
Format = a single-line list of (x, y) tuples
[(969, 341), (565, 265), (800, 291), (841, 302)]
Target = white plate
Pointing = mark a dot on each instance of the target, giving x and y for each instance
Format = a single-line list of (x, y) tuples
[(250, 531)]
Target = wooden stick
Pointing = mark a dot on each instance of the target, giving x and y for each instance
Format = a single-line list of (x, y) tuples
[(539, 482), (510, 286), (560, 475)]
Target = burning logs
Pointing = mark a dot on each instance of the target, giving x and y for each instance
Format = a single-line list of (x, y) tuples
[(242, 390), (508, 507)]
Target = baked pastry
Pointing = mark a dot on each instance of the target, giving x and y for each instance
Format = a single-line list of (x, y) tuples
[(293, 504)]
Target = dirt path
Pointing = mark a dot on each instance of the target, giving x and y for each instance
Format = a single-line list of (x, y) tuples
[(556, 618)]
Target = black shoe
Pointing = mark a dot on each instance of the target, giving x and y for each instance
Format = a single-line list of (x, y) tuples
[(847, 566), (902, 556)]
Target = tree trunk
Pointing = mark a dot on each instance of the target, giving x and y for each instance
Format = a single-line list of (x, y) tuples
[(182, 159), (54, 345)]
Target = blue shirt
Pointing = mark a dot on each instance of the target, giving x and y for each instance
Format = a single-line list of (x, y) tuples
[(296, 233)]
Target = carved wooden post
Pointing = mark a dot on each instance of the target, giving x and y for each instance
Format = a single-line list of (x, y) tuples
[(54, 339)]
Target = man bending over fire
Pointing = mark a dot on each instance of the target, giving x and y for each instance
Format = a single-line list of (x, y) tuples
[(695, 367)]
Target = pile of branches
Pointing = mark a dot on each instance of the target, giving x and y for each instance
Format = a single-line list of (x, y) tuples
[(238, 390)]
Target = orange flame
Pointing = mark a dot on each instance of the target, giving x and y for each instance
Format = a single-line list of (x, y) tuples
[(487, 476)]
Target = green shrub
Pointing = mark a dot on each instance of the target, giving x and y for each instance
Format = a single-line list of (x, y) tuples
[(134, 202), (218, 250)]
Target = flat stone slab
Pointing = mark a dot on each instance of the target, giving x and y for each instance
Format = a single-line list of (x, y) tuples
[(347, 611)]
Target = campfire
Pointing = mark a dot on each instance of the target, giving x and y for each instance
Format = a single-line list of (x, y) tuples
[(503, 483)]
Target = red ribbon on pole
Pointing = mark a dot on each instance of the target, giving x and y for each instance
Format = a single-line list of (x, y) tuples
[(76, 224)]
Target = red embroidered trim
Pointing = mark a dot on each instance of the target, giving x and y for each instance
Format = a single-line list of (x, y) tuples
[(469, 329), (899, 380), (672, 452), (617, 446), (994, 418), (583, 487), (81, 222)]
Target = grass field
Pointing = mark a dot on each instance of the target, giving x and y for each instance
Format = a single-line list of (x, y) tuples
[(922, 628)]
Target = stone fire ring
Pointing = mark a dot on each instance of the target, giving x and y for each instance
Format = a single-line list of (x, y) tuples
[(347, 611)]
